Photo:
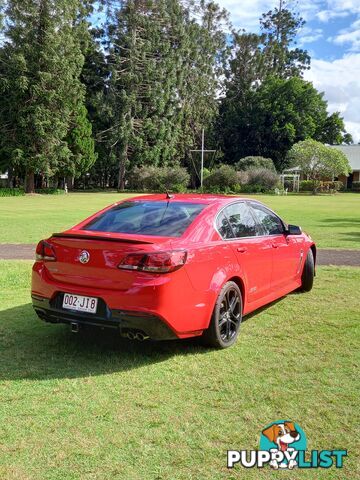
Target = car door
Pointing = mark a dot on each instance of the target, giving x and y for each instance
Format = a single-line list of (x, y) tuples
[(237, 225), (287, 250)]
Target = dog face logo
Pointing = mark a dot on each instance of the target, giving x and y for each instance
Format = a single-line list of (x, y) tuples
[(283, 439), (283, 446), (84, 256), (282, 434)]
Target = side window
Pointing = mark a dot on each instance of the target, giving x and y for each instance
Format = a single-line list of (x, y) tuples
[(270, 223), (240, 220), (224, 227)]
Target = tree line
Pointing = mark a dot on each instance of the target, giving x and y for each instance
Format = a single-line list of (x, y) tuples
[(105, 87)]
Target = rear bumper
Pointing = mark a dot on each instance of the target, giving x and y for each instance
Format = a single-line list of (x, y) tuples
[(50, 310), (166, 300)]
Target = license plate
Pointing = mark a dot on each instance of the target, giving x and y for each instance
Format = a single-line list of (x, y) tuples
[(80, 303)]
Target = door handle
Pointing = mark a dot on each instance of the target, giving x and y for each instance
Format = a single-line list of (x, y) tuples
[(275, 245), (241, 249)]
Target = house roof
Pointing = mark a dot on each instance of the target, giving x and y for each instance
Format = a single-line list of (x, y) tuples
[(292, 170), (353, 154)]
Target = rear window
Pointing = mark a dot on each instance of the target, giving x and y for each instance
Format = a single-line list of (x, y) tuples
[(168, 219)]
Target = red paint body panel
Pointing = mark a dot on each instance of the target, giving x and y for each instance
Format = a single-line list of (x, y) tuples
[(265, 267)]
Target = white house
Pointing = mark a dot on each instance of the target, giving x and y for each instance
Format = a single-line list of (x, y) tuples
[(353, 155), (3, 179)]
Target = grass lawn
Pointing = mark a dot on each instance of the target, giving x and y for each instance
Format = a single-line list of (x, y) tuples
[(333, 221), (97, 407)]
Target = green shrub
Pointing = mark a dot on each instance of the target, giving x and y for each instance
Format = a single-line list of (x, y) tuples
[(306, 186), (337, 185), (174, 178), (254, 188), (355, 186), (242, 177), (206, 172), (144, 178), (178, 188), (221, 178), (11, 192), (330, 187), (226, 179), (321, 187), (49, 191), (264, 178), (249, 163), (222, 190)]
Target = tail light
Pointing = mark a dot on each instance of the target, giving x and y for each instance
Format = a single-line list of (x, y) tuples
[(156, 262), (45, 251)]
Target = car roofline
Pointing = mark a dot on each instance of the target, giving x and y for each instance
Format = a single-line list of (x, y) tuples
[(208, 199)]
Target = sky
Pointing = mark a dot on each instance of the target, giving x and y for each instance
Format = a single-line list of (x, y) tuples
[(332, 37)]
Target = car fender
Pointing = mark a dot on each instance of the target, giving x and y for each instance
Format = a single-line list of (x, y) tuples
[(224, 275), (209, 268), (314, 250), (310, 246)]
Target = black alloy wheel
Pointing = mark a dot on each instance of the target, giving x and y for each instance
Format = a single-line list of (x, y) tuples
[(226, 319)]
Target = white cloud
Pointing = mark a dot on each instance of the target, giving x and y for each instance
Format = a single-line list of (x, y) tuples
[(350, 36), (246, 13), (308, 9), (326, 15), (340, 81), (309, 35), (310, 38), (352, 6)]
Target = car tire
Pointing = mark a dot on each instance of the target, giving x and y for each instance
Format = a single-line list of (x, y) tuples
[(226, 318), (307, 277)]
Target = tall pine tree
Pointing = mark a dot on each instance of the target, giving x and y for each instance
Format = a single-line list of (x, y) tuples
[(201, 72), (164, 59), (142, 83), (41, 64), (280, 28)]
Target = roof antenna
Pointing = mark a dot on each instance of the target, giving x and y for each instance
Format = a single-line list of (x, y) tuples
[(168, 195)]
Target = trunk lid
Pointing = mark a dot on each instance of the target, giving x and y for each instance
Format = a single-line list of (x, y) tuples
[(104, 255)]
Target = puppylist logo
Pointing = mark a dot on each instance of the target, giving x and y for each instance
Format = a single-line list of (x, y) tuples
[(283, 446)]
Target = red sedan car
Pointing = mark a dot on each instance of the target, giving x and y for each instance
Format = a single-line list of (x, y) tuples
[(171, 266)]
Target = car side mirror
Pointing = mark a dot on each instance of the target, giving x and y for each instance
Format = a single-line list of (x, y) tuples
[(293, 230)]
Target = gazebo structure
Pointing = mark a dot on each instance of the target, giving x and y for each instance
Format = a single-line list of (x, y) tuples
[(292, 175)]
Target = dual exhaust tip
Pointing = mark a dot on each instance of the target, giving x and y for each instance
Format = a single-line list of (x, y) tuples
[(134, 335), (131, 334)]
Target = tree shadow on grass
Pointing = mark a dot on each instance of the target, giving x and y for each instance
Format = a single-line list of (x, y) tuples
[(342, 222), (353, 222), (34, 350), (352, 236), (31, 349)]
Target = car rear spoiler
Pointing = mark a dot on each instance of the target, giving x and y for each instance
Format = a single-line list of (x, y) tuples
[(98, 237)]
